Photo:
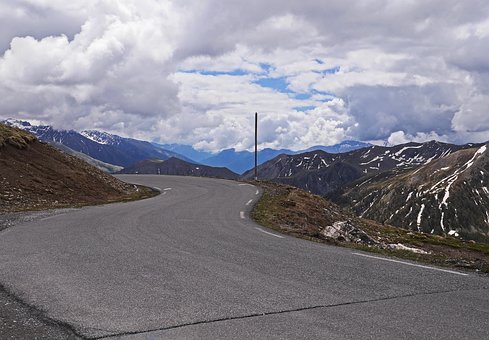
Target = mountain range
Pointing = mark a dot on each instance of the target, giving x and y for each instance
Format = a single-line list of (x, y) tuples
[(119, 151), (105, 147), (431, 187), (240, 161), (322, 173), (448, 195)]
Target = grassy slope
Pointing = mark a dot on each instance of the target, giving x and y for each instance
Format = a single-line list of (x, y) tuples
[(295, 212)]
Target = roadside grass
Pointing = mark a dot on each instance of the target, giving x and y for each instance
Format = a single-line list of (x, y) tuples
[(294, 212)]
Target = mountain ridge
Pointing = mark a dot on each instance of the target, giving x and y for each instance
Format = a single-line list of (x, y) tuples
[(102, 146)]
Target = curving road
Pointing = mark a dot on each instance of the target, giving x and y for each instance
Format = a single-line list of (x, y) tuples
[(189, 264)]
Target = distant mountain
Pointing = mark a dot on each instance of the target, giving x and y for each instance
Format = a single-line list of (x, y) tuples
[(102, 146), (35, 175), (240, 161), (448, 195), (323, 173), (175, 166), (186, 150), (345, 146)]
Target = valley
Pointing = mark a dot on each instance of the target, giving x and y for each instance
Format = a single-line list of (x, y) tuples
[(433, 187)]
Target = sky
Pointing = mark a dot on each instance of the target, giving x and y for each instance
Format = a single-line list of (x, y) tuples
[(195, 71)]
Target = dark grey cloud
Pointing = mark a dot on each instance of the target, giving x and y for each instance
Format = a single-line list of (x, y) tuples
[(381, 110), (24, 18)]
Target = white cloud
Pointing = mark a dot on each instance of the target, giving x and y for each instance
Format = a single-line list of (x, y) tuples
[(400, 137), (128, 67)]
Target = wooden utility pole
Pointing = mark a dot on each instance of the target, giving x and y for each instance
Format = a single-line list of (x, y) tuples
[(256, 146)]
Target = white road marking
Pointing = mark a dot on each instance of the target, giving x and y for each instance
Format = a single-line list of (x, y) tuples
[(257, 191), (242, 184), (166, 189), (411, 264), (241, 214), (164, 193), (249, 202), (266, 232), (159, 189)]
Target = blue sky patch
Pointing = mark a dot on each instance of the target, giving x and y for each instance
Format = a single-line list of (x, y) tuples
[(278, 84), (304, 108), (265, 67), (303, 96)]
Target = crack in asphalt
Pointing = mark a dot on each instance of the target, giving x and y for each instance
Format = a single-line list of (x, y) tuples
[(253, 315)]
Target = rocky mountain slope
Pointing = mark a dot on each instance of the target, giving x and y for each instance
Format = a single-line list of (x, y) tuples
[(102, 146), (298, 213), (34, 175), (175, 166), (448, 195), (323, 173)]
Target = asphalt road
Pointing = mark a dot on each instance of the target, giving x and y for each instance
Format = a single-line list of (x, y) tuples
[(189, 264)]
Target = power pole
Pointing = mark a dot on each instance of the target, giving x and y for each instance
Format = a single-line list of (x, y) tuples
[(256, 146)]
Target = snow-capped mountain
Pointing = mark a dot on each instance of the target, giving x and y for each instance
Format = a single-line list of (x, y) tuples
[(102, 137), (102, 146), (431, 187), (448, 195), (322, 173)]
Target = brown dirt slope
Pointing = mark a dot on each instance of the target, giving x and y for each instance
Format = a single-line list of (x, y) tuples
[(34, 175), (296, 212)]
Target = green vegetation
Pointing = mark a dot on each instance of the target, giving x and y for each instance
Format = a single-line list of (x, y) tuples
[(297, 213)]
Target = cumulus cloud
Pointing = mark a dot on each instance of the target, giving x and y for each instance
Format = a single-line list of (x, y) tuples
[(196, 71), (118, 62), (400, 137)]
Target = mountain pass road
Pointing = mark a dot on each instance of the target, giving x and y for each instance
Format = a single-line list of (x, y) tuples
[(190, 264)]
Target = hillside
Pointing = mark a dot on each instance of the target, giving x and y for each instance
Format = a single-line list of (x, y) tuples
[(295, 212), (322, 173), (105, 147), (34, 175), (175, 166), (448, 195)]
